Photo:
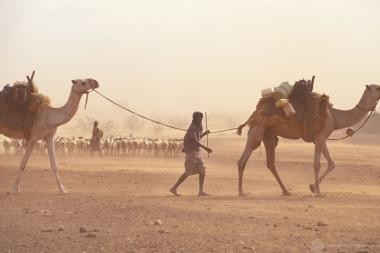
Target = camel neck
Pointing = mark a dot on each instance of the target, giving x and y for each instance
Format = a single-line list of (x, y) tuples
[(64, 114), (348, 118)]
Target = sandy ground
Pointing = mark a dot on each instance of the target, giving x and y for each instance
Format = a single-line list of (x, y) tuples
[(117, 200)]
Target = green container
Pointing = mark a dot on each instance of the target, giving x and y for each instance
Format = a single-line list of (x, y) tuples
[(283, 91)]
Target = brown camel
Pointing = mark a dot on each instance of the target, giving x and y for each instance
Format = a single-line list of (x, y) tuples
[(45, 127), (289, 129)]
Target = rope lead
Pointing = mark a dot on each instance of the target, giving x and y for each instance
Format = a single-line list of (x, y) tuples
[(152, 120)]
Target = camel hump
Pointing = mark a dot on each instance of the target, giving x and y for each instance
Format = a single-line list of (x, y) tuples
[(312, 114), (316, 115), (20, 106)]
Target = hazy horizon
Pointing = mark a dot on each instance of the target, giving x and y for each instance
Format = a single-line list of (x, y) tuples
[(169, 57)]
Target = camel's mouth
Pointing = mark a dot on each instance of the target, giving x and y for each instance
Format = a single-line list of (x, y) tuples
[(94, 84)]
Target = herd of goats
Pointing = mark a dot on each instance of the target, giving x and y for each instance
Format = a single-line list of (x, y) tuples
[(111, 146)]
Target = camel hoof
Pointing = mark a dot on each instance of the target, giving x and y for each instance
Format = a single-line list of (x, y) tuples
[(16, 189), (62, 190), (286, 193), (242, 194), (320, 195), (311, 187)]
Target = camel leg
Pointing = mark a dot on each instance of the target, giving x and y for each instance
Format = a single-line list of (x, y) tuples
[(53, 164), (270, 143), (24, 161), (330, 166), (255, 136), (320, 143), (330, 163)]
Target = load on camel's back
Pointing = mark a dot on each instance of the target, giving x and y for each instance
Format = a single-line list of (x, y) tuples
[(296, 103), (315, 119), (20, 105)]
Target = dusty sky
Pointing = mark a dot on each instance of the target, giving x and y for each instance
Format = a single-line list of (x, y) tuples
[(175, 56)]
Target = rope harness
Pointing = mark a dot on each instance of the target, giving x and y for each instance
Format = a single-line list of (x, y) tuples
[(350, 132), (85, 105), (81, 93), (147, 118)]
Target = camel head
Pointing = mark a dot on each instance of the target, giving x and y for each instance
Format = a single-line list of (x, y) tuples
[(373, 91), (82, 86)]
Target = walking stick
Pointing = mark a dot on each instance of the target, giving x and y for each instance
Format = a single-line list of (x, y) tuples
[(208, 154)]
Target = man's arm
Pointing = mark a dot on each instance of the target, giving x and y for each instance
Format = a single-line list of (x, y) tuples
[(193, 137), (209, 150), (207, 132)]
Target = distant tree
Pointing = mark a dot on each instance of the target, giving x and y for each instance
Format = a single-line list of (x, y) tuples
[(108, 127), (133, 124), (80, 126), (179, 121), (157, 130)]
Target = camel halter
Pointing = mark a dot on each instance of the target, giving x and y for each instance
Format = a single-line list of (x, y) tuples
[(350, 131), (366, 110), (87, 93), (84, 92)]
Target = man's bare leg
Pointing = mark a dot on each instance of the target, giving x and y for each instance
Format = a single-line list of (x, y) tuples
[(201, 185), (181, 179)]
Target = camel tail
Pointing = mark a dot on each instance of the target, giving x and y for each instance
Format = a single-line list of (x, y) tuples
[(240, 128), (250, 122)]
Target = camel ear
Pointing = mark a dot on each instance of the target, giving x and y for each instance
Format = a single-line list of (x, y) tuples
[(73, 81), (368, 87)]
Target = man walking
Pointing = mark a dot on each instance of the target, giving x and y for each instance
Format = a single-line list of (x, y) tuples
[(193, 161)]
